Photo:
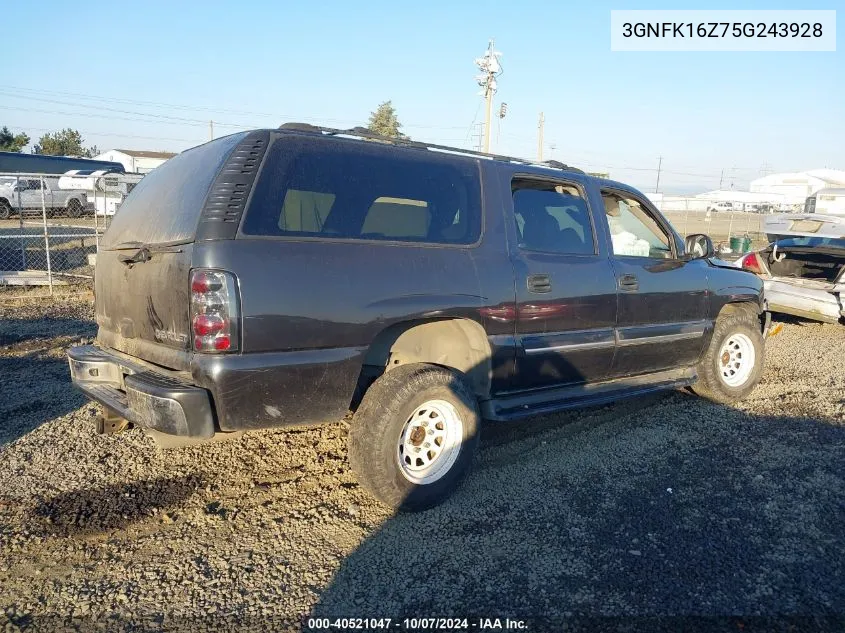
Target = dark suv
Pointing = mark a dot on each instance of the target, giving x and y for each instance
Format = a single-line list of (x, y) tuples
[(290, 276)]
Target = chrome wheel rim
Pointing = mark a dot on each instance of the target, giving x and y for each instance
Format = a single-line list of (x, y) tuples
[(430, 442), (736, 360)]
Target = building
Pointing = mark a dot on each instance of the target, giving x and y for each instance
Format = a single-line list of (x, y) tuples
[(136, 161), (796, 187), (740, 201), (18, 162)]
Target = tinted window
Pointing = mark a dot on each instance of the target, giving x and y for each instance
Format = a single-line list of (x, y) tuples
[(552, 218), (338, 188), (165, 206)]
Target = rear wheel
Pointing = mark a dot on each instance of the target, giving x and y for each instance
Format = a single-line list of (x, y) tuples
[(733, 363), (74, 208), (414, 436)]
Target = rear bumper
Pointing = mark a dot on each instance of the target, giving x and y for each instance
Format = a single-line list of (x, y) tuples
[(803, 301), (143, 396)]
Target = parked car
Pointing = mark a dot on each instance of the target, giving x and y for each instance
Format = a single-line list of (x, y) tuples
[(803, 275), (25, 194), (281, 277), (720, 206)]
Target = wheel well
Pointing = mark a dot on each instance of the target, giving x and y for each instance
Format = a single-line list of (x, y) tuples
[(459, 344), (747, 307)]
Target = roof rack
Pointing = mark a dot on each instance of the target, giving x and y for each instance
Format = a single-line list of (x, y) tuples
[(364, 133)]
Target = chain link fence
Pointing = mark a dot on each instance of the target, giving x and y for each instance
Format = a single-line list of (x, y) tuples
[(720, 220), (51, 225)]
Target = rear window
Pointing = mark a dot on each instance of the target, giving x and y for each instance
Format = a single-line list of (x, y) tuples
[(165, 205), (335, 188)]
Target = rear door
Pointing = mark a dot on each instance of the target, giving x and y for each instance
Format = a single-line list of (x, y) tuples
[(142, 294), (663, 298), (565, 286)]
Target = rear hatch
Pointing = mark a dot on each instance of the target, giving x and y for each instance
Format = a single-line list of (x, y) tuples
[(780, 225), (142, 293)]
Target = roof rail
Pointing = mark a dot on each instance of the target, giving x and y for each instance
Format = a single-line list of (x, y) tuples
[(364, 133)]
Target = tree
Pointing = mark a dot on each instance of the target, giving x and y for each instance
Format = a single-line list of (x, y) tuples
[(12, 142), (66, 142), (385, 122)]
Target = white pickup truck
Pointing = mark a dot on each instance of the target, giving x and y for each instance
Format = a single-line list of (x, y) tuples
[(25, 194)]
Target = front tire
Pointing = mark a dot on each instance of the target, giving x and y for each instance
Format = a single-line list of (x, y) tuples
[(5, 210), (415, 435), (74, 208), (733, 363)]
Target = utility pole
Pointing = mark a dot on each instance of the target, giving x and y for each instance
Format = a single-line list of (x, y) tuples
[(540, 125), (659, 165), (490, 69), (721, 178), (210, 130)]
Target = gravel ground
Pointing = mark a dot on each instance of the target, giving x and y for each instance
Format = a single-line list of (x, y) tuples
[(665, 507)]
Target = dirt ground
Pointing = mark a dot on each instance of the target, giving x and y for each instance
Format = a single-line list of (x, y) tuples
[(666, 508)]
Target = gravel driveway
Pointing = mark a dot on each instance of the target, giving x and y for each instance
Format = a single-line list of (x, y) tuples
[(668, 506)]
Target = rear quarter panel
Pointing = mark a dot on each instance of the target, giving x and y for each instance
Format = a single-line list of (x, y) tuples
[(312, 308)]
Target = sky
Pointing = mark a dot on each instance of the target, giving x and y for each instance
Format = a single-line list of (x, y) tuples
[(150, 75)]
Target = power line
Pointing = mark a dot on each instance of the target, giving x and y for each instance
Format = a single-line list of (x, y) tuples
[(118, 110), (116, 134), (154, 104), (99, 116)]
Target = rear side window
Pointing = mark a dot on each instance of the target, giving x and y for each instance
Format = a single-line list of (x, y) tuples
[(552, 218), (334, 188), (165, 205)]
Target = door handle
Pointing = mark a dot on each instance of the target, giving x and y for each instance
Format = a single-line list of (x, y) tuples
[(539, 283), (629, 283)]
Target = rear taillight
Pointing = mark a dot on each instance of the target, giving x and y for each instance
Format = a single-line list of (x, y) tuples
[(214, 311), (752, 263)]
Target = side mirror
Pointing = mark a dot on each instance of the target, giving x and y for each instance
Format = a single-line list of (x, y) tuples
[(699, 246)]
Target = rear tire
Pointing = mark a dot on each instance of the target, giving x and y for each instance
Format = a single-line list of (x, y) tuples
[(733, 363), (415, 435), (74, 208)]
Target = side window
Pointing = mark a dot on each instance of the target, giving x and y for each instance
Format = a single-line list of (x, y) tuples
[(633, 231), (552, 218), (355, 190)]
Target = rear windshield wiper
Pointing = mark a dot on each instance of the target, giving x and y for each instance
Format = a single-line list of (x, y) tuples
[(160, 247), (145, 252)]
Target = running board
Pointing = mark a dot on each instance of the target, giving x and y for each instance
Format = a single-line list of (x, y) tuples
[(526, 404)]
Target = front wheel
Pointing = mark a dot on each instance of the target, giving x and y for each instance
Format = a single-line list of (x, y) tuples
[(5, 210), (733, 363), (414, 436), (74, 208)]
